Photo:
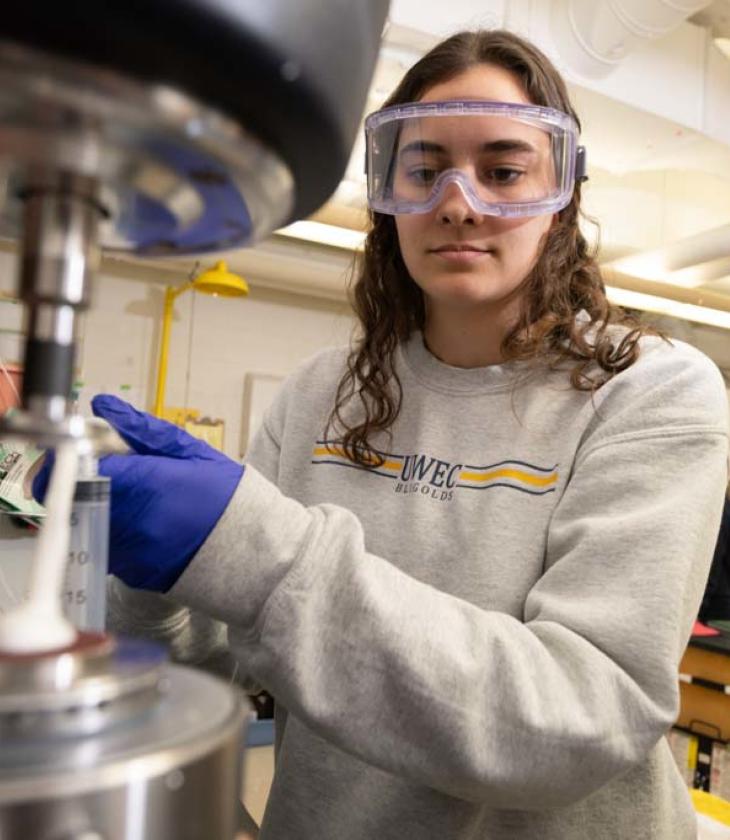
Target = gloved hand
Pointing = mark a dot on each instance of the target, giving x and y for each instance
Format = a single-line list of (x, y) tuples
[(167, 495)]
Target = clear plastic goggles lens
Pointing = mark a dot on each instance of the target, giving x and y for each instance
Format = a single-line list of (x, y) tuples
[(506, 165)]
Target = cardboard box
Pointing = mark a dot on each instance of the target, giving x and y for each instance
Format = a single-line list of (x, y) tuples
[(704, 705)]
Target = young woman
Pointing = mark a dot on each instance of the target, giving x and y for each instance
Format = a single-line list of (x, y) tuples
[(464, 558)]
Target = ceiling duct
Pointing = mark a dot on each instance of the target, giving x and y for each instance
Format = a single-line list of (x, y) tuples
[(690, 262), (594, 37)]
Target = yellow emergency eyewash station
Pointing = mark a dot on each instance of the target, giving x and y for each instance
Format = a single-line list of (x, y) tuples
[(217, 281)]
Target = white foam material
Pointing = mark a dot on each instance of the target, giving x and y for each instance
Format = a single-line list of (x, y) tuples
[(38, 624)]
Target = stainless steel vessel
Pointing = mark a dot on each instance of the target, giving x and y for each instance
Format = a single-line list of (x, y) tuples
[(107, 741)]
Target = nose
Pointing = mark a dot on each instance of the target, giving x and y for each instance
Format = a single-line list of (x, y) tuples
[(455, 208)]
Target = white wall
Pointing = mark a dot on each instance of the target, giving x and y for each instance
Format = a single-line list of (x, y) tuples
[(269, 332)]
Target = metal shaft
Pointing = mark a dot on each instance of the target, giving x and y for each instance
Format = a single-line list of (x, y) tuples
[(59, 256)]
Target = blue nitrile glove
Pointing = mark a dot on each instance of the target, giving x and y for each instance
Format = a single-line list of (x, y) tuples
[(167, 495)]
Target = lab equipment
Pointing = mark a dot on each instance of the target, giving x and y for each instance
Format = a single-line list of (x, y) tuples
[(239, 120), (108, 741), (508, 159), (242, 120), (84, 587), (164, 507)]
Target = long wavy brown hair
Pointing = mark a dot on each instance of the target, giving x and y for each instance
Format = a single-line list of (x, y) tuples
[(565, 279)]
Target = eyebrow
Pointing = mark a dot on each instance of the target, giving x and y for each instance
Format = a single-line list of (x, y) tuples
[(506, 145)]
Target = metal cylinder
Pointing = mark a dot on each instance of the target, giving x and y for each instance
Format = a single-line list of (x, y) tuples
[(60, 221), (107, 741), (59, 255)]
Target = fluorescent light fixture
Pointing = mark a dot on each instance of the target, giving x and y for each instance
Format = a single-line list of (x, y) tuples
[(723, 44), (665, 306), (652, 266), (336, 237)]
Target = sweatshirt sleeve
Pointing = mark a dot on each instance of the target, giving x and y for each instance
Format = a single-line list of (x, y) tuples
[(528, 714), (192, 637), (264, 452)]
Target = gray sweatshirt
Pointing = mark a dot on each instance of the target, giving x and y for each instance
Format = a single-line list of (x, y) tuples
[(479, 639)]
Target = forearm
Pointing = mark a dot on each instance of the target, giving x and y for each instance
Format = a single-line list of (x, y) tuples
[(421, 683)]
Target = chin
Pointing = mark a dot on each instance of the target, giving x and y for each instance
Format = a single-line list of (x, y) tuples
[(465, 289)]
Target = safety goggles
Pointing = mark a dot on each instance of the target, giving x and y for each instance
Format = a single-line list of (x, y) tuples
[(508, 159)]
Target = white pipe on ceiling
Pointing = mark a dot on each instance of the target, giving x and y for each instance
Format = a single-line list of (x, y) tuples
[(593, 36), (692, 261)]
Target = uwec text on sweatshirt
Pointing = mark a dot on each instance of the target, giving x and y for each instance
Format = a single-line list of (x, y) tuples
[(478, 639)]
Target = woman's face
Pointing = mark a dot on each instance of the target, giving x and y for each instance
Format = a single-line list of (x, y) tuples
[(499, 252)]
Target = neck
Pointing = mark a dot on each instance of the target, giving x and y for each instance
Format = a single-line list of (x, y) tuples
[(465, 339)]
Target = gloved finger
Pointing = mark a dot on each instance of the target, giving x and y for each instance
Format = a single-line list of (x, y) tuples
[(146, 434), (39, 487), (130, 472), (117, 466)]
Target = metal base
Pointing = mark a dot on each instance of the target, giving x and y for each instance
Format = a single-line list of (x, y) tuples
[(106, 741)]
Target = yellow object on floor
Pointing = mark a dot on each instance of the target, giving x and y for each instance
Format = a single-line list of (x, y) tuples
[(711, 806)]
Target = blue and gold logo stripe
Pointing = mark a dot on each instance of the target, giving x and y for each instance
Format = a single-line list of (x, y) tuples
[(331, 452), (519, 475), (516, 475)]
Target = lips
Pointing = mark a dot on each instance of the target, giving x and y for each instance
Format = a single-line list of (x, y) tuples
[(458, 248), (461, 255)]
